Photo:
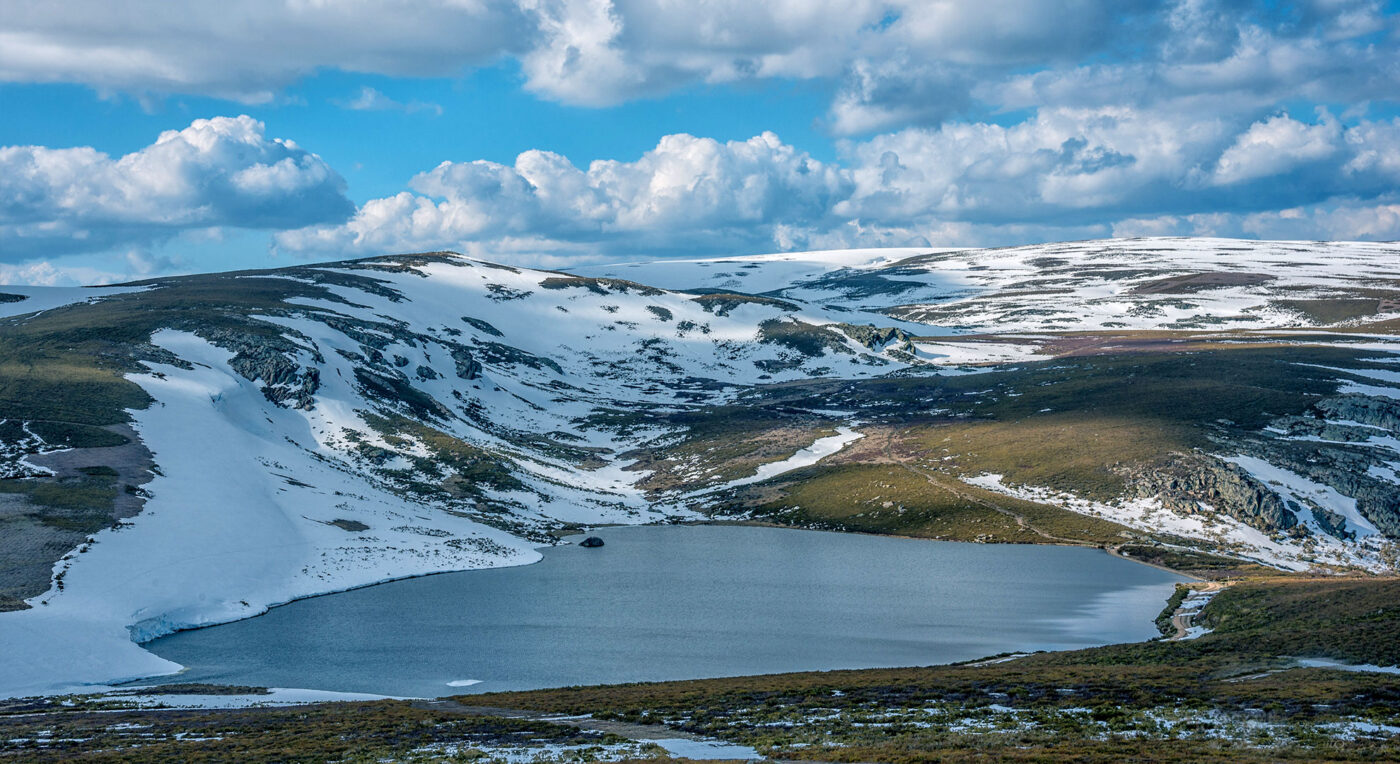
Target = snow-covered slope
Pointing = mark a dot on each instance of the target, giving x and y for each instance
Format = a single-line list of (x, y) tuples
[(753, 274), (1153, 283), (326, 427)]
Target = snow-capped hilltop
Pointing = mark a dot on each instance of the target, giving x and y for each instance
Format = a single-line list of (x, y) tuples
[(1163, 284), (1145, 283), (208, 446)]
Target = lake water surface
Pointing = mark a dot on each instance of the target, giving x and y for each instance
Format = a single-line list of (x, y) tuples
[(679, 602)]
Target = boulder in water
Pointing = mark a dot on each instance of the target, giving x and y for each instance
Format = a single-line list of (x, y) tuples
[(591, 542)]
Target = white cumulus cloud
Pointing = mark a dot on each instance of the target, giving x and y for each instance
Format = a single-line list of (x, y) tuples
[(216, 172), (685, 191), (1065, 172), (371, 99), (1275, 146)]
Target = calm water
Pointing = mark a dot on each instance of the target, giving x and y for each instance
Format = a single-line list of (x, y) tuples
[(685, 602)]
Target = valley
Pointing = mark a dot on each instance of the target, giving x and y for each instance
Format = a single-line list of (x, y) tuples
[(194, 450)]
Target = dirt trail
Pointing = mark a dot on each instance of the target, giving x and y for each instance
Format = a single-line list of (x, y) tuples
[(1185, 617), (951, 486)]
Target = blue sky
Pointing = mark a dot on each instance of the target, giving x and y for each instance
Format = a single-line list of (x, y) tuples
[(136, 141), (481, 114)]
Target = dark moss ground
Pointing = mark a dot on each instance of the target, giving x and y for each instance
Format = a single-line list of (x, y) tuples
[(349, 732), (896, 499)]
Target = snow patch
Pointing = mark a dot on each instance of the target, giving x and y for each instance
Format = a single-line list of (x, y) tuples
[(820, 449), (1364, 668), (1306, 493), (706, 750)]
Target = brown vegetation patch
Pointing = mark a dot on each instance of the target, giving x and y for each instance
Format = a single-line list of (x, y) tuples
[(1199, 282)]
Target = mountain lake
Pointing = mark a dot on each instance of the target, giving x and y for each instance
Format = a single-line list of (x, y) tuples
[(682, 602)]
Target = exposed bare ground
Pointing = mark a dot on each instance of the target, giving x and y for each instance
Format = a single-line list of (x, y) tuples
[(1196, 282), (32, 546)]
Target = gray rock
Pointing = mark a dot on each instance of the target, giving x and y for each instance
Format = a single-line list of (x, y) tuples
[(1185, 481), (1366, 409), (875, 337), (271, 359), (1344, 468), (467, 366)]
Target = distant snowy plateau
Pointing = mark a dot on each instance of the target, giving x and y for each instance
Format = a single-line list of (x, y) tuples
[(318, 428)]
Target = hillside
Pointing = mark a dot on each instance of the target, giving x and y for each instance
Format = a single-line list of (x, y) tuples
[(191, 450)]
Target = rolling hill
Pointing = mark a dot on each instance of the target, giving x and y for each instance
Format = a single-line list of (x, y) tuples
[(191, 450)]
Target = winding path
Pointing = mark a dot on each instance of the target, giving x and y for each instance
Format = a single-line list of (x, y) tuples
[(1184, 618), (951, 487)]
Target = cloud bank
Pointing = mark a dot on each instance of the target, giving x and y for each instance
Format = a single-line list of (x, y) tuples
[(894, 63), (959, 122), (216, 172), (686, 191), (1066, 173)]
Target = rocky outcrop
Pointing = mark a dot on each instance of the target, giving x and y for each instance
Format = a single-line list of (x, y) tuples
[(1329, 445), (1344, 468), (722, 303), (1184, 482), (1351, 418), (467, 366), (875, 337), (601, 286), (496, 353), (393, 388), (1312, 427), (272, 360), (807, 339), (1329, 521), (1364, 409), (483, 326)]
